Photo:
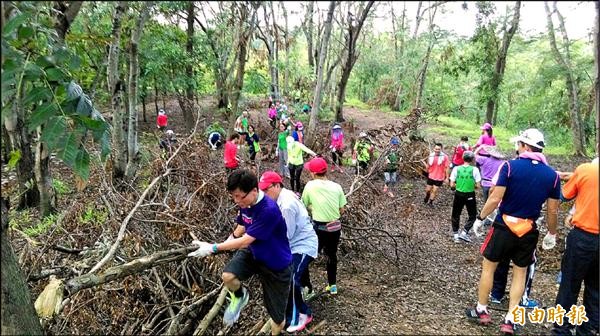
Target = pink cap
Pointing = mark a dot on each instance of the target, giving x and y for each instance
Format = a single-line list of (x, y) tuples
[(486, 126)]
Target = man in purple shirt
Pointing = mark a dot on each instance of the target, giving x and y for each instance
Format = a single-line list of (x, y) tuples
[(263, 249), (488, 163)]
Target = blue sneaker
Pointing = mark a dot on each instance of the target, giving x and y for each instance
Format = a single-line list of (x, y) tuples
[(529, 303), (236, 304), (332, 289)]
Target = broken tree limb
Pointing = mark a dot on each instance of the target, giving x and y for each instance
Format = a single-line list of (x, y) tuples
[(163, 293), (121, 235), (174, 327), (319, 325), (135, 266), (266, 328), (211, 313)]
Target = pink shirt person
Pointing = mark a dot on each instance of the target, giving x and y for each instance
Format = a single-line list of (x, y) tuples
[(486, 138)]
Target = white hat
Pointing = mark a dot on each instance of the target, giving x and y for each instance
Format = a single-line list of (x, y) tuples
[(169, 132), (289, 139), (161, 111), (337, 126), (362, 135), (532, 136)]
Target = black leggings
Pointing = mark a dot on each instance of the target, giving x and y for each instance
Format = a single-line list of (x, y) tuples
[(328, 241), (295, 173), (335, 156)]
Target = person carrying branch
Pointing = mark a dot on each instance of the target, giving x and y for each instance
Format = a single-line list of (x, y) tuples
[(303, 243), (326, 201), (262, 245)]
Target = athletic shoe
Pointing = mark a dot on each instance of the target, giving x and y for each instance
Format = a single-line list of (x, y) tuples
[(529, 303), (465, 236), (307, 293), (481, 317), (303, 320), (232, 313), (508, 328), (495, 300), (332, 289), (456, 239)]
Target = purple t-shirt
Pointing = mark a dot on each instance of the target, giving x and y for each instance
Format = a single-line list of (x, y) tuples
[(264, 222), (528, 184), (488, 166)]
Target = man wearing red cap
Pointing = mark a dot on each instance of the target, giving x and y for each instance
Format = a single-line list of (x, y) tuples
[(326, 200), (303, 243)]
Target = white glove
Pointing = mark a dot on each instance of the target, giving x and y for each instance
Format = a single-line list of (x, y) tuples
[(549, 241), (204, 249), (354, 162), (277, 152), (477, 227)]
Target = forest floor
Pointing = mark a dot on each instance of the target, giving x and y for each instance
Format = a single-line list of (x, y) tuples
[(426, 295)]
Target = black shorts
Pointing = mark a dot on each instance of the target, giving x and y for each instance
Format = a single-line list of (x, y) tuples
[(275, 284), (434, 182), (501, 243)]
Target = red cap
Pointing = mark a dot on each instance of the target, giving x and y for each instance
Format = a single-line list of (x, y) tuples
[(317, 165), (268, 178)]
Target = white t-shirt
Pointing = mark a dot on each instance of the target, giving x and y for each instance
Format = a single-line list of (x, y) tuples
[(476, 174), (300, 232)]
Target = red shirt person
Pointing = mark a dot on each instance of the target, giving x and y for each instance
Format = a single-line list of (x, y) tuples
[(161, 120)]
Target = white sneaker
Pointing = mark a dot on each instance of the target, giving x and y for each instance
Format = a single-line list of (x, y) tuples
[(303, 320), (465, 236), (456, 240)]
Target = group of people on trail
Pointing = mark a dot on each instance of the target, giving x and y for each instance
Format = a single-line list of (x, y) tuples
[(515, 191), (278, 235)]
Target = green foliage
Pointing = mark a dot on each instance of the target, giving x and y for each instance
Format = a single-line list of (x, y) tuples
[(94, 216), (61, 187), (14, 157), (23, 220), (256, 81), (37, 75), (42, 226), (215, 127)]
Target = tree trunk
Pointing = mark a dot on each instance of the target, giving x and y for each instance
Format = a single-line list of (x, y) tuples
[(400, 92), (6, 146), (422, 76), (312, 125), (286, 73), (66, 13), (18, 315), (20, 140), (188, 111), (133, 155), (564, 61), (418, 19), (115, 88), (144, 107), (43, 178), (275, 52), (155, 94), (351, 57), (308, 32), (247, 31), (492, 103), (268, 37)]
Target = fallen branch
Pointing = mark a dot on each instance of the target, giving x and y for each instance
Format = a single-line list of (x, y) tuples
[(184, 312), (319, 325), (121, 235), (135, 266), (211, 313)]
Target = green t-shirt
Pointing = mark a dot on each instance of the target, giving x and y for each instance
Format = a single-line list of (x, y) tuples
[(281, 140), (245, 124), (465, 182), (324, 198), (392, 165)]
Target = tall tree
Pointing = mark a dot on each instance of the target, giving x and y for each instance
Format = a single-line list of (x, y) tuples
[(308, 29), (287, 42), (564, 61), (247, 20), (355, 24), (116, 89), (66, 11), (492, 105), (134, 74), (422, 75), (324, 44), (268, 36), (188, 113), (18, 315)]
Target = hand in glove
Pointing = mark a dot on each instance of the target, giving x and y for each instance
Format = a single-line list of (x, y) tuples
[(277, 152), (549, 241), (204, 249), (477, 225)]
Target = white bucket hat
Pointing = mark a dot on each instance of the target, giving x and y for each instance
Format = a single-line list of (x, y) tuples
[(532, 136)]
